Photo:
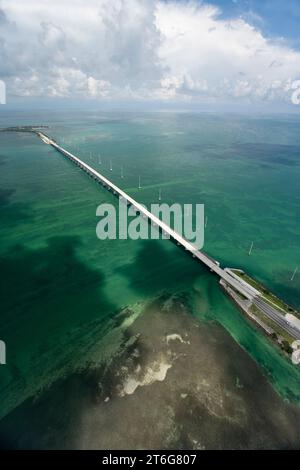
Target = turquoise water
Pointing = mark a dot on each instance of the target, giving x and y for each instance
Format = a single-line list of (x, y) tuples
[(60, 284)]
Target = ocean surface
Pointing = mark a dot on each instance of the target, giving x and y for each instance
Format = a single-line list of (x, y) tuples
[(61, 286)]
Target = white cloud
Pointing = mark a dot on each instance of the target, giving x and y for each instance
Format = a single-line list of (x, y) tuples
[(139, 49), (230, 58)]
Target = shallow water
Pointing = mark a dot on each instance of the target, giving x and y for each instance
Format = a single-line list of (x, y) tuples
[(174, 383), (60, 284)]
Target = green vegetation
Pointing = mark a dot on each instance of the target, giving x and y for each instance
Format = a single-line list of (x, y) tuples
[(271, 298), (23, 128), (277, 331), (280, 336), (285, 345)]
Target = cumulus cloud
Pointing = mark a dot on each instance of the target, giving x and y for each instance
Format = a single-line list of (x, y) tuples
[(139, 49), (222, 58)]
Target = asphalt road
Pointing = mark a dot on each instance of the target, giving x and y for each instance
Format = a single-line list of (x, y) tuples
[(277, 317)]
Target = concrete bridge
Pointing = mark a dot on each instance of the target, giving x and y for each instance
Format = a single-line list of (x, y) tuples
[(240, 286)]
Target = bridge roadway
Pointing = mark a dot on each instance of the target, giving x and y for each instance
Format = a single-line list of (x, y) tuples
[(245, 290), (272, 313)]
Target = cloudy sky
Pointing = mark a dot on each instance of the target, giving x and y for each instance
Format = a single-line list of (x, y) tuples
[(199, 53)]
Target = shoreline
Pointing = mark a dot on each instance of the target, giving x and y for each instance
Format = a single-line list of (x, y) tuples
[(189, 377)]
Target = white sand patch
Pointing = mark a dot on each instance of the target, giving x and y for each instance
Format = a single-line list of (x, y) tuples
[(173, 337), (156, 372), (136, 353)]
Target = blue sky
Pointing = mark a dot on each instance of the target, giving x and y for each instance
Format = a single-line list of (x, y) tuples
[(177, 53), (276, 18)]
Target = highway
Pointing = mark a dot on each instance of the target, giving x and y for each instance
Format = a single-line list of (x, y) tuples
[(277, 317), (240, 286)]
